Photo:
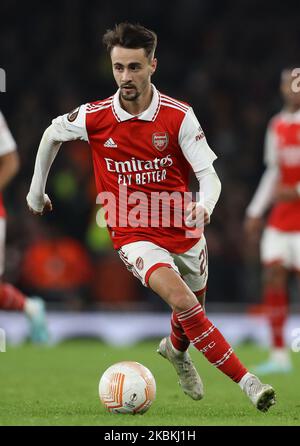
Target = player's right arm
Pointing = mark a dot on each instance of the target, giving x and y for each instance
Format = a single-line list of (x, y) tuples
[(65, 128), (265, 192)]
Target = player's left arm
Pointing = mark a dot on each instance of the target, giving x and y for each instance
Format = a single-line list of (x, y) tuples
[(209, 192), (200, 156)]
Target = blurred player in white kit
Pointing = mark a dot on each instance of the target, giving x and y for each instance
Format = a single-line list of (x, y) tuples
[(10, 297)]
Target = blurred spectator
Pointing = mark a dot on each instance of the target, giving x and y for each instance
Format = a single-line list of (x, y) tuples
[(58, 268)]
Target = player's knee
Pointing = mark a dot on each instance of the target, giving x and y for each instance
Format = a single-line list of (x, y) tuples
[(181, 301)]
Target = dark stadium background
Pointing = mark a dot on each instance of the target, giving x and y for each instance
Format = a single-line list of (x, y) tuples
[(223, 57)]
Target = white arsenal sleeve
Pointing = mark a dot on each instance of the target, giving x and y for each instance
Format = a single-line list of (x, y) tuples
[(64, 128), (7, 142), (193, 143), (70, 126), (200, 156), (264, 194)]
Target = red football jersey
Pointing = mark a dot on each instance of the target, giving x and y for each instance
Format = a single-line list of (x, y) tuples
[(283, 149), (140, 156), (7, 145)]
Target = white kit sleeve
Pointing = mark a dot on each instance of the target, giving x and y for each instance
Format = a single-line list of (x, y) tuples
[(209, 192), (193, 143), (264, 193), (70, 126), (64, 128), (7, 142), (210, 188)]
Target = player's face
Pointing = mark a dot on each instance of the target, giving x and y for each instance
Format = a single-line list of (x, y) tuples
[(132, 71), (289, 86)]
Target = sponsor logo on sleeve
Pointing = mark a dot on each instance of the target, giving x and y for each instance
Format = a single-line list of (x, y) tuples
[(200, 135), (73, 114)]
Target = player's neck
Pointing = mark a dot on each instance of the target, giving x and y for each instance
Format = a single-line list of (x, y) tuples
[(141, 104), (291, 108)]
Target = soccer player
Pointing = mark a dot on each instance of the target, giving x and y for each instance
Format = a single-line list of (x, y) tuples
[(279, 188), (144, 143), (10, 297)]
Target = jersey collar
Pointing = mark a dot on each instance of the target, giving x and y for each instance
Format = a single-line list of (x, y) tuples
[(291, 116), (147, 115)]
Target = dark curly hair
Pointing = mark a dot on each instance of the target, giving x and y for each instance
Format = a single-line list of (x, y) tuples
[(128, 35)]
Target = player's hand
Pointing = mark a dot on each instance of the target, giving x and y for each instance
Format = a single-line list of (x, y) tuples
[(40, 205), (196, 215), (286, 193)]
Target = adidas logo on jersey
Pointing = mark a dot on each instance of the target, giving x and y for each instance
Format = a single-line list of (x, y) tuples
[(110, 143)]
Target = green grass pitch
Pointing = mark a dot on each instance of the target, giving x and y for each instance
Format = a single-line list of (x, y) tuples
[(59, 386)]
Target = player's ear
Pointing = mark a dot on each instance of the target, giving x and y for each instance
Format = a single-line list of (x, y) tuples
[(153, 65)]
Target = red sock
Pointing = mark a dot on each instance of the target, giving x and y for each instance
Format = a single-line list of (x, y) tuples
[(178, 337), (276, 302), (207, 339), (11, 298)]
